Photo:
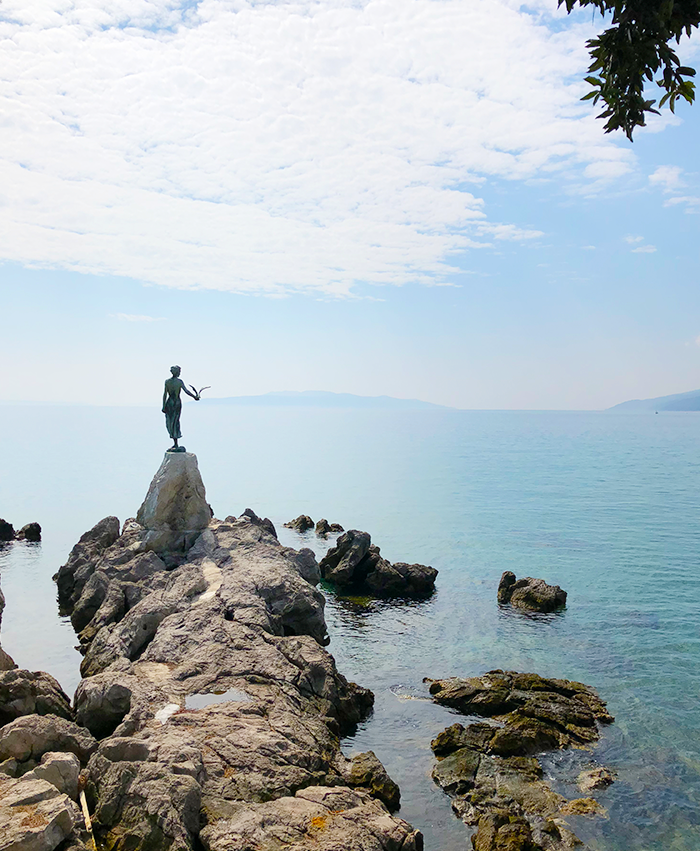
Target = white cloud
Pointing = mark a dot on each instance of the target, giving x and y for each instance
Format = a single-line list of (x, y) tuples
[(644, 249), (633, 239), (271, 147), (667, 177), (690, 202), (136, 317)]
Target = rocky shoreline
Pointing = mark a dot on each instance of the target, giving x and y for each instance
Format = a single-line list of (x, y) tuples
[(210, 714)]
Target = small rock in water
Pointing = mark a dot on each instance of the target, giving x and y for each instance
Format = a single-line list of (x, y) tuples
[(301, 523), (30, 532), (355, 562), (528, 593), (7, 530), (323, 527), (594, 778)]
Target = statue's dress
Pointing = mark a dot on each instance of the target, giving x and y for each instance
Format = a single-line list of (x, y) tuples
[(172, 408)]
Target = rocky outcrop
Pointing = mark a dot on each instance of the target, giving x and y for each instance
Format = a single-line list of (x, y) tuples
[(28, 738), (355, 563), (531, 594), (175, 510), (74, 574), (61, 770), (218, 711), (490, 769), (6, 661), (30, 532), (316, 818), (7, 530), (324, 528), (34, 815), (31, 692), (302, 523)]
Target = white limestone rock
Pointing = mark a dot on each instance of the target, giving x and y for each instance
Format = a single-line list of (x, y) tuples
[(34, 815), (60, 770)]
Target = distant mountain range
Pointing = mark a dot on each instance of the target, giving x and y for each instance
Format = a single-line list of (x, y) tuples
[(324, 399), (677, 402)]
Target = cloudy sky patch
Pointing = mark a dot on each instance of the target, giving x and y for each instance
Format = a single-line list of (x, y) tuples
[(279, 147)]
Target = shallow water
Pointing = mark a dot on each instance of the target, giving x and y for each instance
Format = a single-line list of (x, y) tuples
[(605, 505)]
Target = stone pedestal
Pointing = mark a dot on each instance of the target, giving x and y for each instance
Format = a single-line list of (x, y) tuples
[(175, 510)]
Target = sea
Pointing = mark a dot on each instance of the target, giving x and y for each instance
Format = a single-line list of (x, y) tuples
[(607, 505)]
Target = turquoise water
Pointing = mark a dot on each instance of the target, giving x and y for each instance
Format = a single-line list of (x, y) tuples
[(604, 505)]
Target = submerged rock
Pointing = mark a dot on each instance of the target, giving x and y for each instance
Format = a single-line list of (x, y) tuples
[(528, 593), (594, 778), (490, 768), (355, 563), (302, 523)]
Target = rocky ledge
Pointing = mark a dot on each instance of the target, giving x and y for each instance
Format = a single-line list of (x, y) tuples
[(215, 709), (490, 769), (355, 564)]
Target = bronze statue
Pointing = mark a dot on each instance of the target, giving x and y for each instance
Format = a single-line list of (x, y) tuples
[(172, 405)]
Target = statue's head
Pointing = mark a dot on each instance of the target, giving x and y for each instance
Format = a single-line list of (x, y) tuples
[(175, 371)]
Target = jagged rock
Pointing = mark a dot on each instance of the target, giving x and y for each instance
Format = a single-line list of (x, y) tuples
[(31, 692), (7, 530), (489, 768), (317, 817), (61, 770), (323, 527), (365, 770), (209, 687), (594, 778), (30, 532), (539, 714), (34, 815), (264, 523), (9, 767), (31, 736), (6, 662), (301, 523), (336, 528), (175, 510), (355, 563), (73, 575), (529, 593)]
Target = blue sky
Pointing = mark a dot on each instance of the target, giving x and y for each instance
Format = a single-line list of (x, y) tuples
[(367, 196)]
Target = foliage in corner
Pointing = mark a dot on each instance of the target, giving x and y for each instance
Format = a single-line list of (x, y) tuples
[(633, 51)]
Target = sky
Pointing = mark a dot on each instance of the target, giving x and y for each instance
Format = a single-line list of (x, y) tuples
[(401, 197)]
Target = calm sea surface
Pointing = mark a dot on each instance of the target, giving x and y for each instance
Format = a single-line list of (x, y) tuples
[(605, 505)]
